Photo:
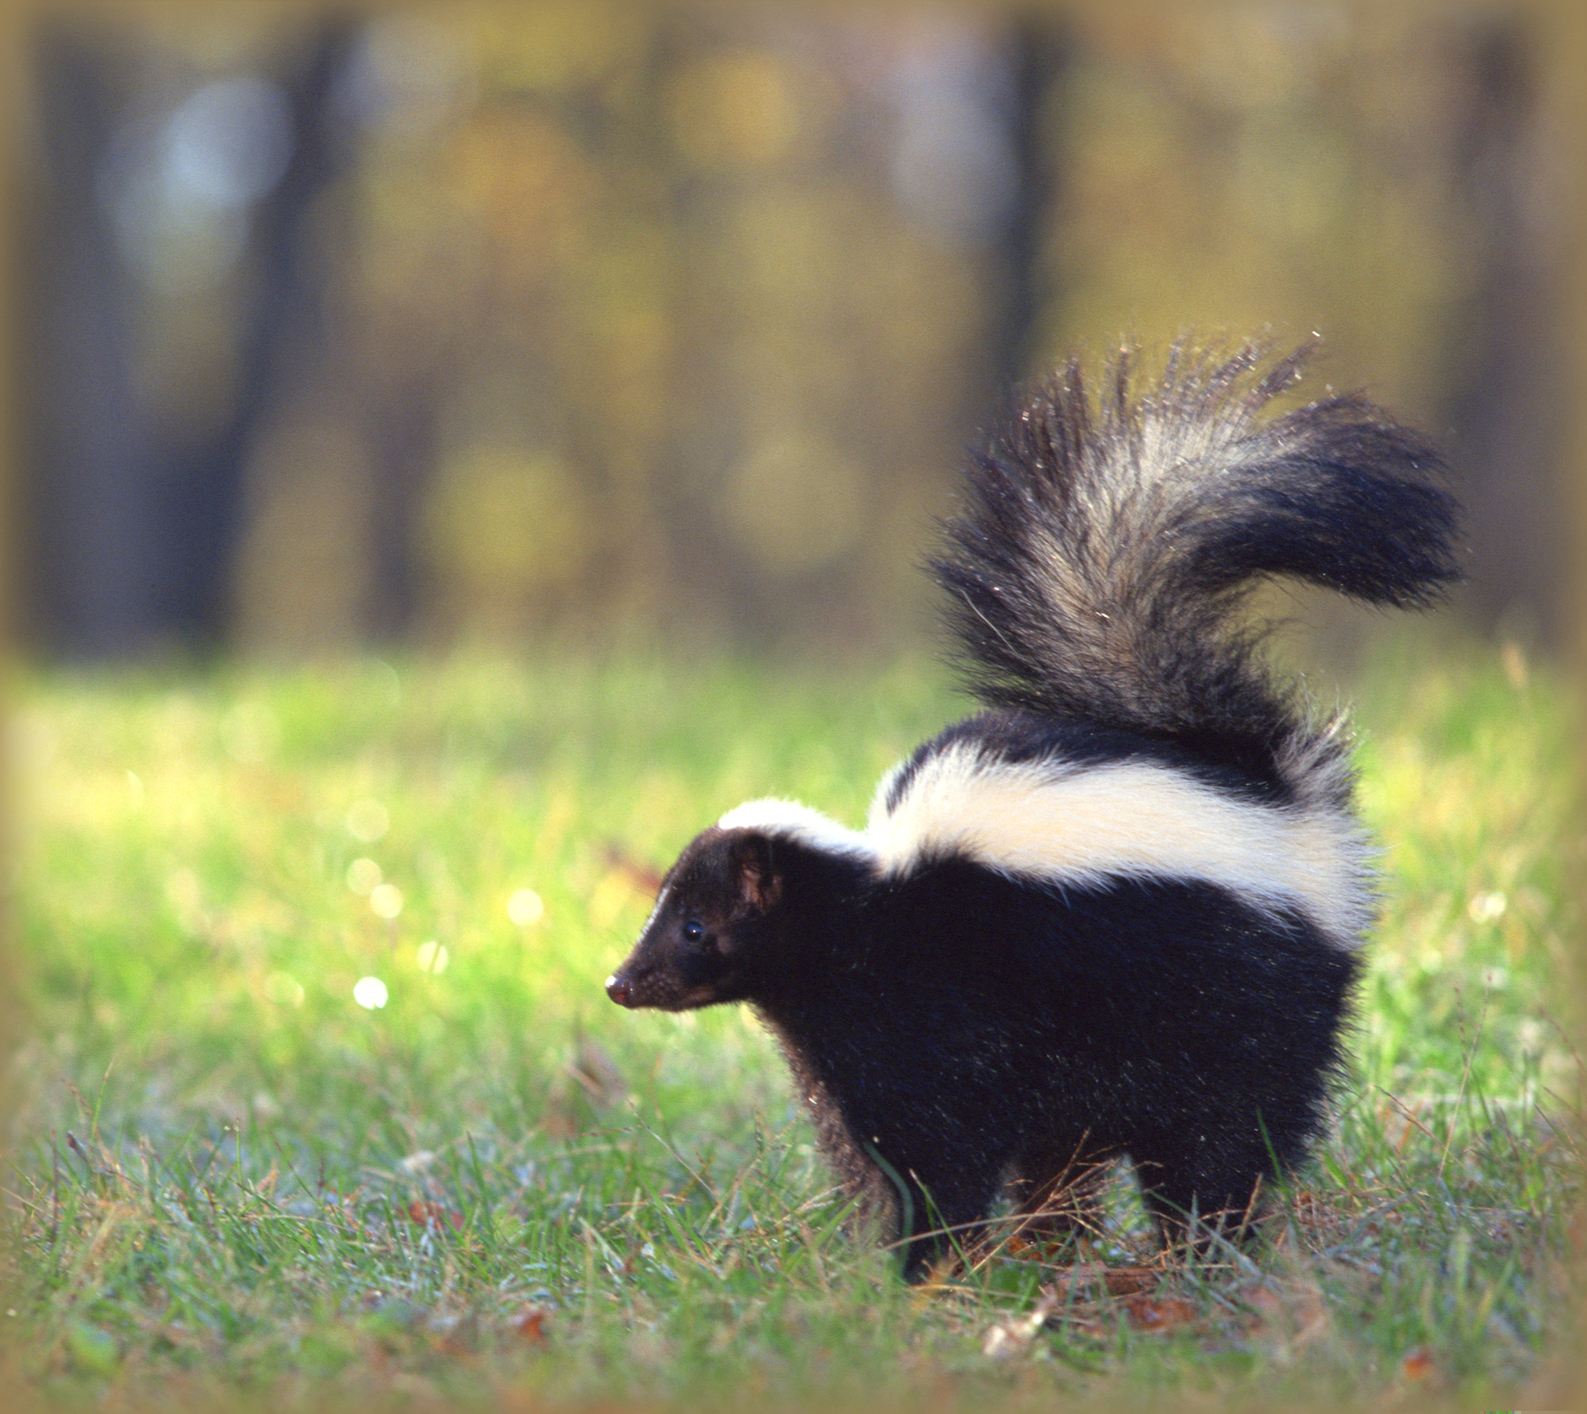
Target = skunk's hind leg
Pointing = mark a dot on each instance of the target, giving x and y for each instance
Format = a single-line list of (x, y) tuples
[(942, 1210)]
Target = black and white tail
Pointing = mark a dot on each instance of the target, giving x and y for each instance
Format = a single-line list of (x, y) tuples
[(1109, 540)]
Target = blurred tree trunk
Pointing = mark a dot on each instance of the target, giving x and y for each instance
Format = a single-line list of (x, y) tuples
[(1506, 393), (131, 527), (1038, 50), (283, 328), (88, 524)]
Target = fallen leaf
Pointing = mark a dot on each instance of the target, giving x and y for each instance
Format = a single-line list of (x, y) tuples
[(1127, 1281), (530, 1323), (1418, 1364), (1116, 1281), (1161, 1313), (433, 1215)]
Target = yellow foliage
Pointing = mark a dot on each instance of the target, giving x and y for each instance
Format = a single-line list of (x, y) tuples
[(796, 504), (501, 520), (734, 109), (555, 44), (525, 183)]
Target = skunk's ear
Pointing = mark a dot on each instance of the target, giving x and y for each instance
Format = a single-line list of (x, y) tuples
[(758, 882)]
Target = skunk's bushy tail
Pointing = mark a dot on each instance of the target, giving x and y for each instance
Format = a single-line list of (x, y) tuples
[(1107, 542)]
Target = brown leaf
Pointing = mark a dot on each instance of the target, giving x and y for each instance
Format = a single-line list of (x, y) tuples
[(530, 1323), (1116, 1281), (433, 1215), (1161, 1313), (1127, 1281), (1418, 1364), (1020, 1245)]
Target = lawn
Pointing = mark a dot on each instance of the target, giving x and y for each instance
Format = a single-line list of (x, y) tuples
[(318, 1099)]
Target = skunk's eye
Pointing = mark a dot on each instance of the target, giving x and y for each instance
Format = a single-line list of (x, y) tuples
[(693, 930)]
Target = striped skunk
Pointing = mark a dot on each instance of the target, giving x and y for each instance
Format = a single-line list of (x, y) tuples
[(1116, 912)]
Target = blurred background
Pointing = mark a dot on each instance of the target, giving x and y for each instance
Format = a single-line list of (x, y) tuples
[(344, 327)]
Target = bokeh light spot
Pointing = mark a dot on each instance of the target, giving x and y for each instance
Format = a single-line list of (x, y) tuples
[(1485, 907), (386, 900), (526, 908)]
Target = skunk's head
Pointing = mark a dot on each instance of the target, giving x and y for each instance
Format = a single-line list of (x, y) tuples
[(710, 919)]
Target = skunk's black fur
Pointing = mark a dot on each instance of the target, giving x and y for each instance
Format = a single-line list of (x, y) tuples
[(1115, 912)]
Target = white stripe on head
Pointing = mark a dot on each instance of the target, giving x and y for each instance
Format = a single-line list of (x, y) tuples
[(790, 820), (655, 908), (1087, 824)]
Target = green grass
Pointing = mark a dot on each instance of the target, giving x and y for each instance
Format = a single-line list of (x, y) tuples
[(227, 1179)]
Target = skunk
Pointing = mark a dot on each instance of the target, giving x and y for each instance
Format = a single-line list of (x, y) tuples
[(1117, 911)]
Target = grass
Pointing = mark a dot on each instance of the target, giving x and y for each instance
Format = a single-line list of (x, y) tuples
[(227, 1181)]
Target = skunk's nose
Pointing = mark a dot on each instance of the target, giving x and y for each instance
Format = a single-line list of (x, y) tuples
[(620, 990)]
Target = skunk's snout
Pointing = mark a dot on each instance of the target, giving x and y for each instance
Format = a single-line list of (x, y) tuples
[(620, 989)]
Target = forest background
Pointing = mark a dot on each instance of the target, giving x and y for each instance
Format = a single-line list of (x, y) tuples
[(419, 326)]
